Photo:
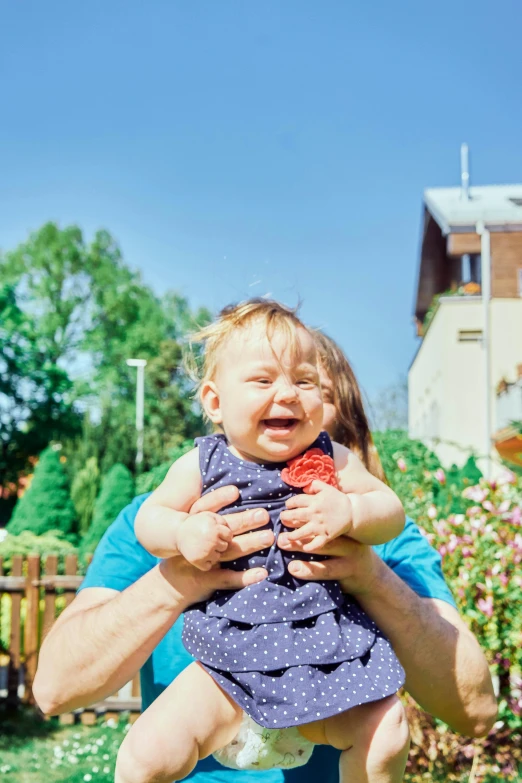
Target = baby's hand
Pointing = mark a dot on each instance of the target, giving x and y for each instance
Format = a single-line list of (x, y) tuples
[(320, 515), (202, 539)]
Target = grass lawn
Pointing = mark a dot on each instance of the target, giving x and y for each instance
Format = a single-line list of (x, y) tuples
[(33, 751)]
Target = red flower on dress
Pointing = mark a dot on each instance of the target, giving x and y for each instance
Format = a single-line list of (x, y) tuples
[(313, 464)]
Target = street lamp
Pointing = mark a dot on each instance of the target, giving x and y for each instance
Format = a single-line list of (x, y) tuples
[(140, 397)]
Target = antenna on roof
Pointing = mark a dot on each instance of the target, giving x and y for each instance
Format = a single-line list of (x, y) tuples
[(464, 171)]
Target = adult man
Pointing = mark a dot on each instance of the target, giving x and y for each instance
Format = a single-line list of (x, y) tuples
[(124, 619)]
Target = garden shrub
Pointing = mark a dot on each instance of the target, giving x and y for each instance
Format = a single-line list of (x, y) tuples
[(148, 482), (28, 543), (408, 466), (116, 492), (46, 505), (83, 493)]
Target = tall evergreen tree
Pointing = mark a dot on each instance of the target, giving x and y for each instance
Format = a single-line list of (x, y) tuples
[(83, 493), (117, 491), (46, 505)]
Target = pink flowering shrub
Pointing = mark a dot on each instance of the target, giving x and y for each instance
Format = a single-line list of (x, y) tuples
[(482, 552), (477, 528)]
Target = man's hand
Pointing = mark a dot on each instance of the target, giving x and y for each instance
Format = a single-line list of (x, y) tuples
[(355, 566), (192, 585)]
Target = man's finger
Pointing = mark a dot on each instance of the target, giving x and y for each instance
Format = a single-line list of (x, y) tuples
[(226, 579), (247, 544), (336, 547), (216, 500), (243, 521), (335, 568), (298, 501)]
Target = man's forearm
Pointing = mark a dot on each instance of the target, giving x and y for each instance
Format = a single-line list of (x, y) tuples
[(95, 651), (446, 671)]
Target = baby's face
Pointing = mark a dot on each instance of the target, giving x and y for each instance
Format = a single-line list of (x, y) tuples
[(270, 404)]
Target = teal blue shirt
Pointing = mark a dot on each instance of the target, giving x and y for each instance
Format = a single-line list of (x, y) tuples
[(120, 560)]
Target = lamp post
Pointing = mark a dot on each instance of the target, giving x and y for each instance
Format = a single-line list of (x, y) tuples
[(140, 399)]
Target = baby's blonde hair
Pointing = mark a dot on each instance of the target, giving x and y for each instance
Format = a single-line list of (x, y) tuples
[(274, 315)]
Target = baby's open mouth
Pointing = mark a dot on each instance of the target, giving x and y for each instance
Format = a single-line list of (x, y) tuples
[(279, 424)]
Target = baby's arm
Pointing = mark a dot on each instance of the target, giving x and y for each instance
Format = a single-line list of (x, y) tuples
[(163, 525), (377, 514), (363, 508)]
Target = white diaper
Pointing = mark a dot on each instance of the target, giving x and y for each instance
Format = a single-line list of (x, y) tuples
[(254, 747)]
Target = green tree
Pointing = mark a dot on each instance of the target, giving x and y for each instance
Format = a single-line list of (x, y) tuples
[(46, 505), (35, 391), (116, 492), (71, 313), (83, 493)]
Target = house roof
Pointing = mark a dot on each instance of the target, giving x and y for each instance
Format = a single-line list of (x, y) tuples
[(497, 206)]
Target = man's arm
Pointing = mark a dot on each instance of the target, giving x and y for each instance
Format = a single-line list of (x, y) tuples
[(104, 637), (446, 671)]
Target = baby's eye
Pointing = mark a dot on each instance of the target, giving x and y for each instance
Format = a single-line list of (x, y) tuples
[(306, 382), (263, 381)]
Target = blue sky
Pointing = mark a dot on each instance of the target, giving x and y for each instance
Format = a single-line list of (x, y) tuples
[(241, 147)]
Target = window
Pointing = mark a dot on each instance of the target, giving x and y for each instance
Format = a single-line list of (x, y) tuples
[(469, 335), (471, 268)]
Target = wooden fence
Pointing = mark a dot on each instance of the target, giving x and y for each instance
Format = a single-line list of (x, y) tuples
[(34, 601)]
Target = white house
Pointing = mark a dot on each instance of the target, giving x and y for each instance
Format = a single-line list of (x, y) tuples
[(449, 393)]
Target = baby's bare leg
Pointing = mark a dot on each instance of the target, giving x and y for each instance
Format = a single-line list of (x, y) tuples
[(191, 719), (374, 738)]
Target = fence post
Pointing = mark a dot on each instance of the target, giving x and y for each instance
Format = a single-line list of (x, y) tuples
[(32, 616), (71, 569), (51, 569), (13, 676)]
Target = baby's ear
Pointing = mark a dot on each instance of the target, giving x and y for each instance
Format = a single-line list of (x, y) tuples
[(210, 400)]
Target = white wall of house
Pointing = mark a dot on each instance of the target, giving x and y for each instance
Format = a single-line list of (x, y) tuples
[(446, 384)]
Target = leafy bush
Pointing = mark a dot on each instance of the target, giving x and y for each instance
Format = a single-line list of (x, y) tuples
[(117, 491), (27, 543), (482, 550), (46, 505), (147, 482), (83, 493), (409, 468)]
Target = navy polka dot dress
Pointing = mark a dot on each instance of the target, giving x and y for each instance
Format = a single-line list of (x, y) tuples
[(287, 651)]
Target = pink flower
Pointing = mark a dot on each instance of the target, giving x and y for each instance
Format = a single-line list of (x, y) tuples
[(440, 476), (516, 516), (486, 605), (517, 542), (441, 528), (453, 543), (476, 494), (401, 465), (506, 477)]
